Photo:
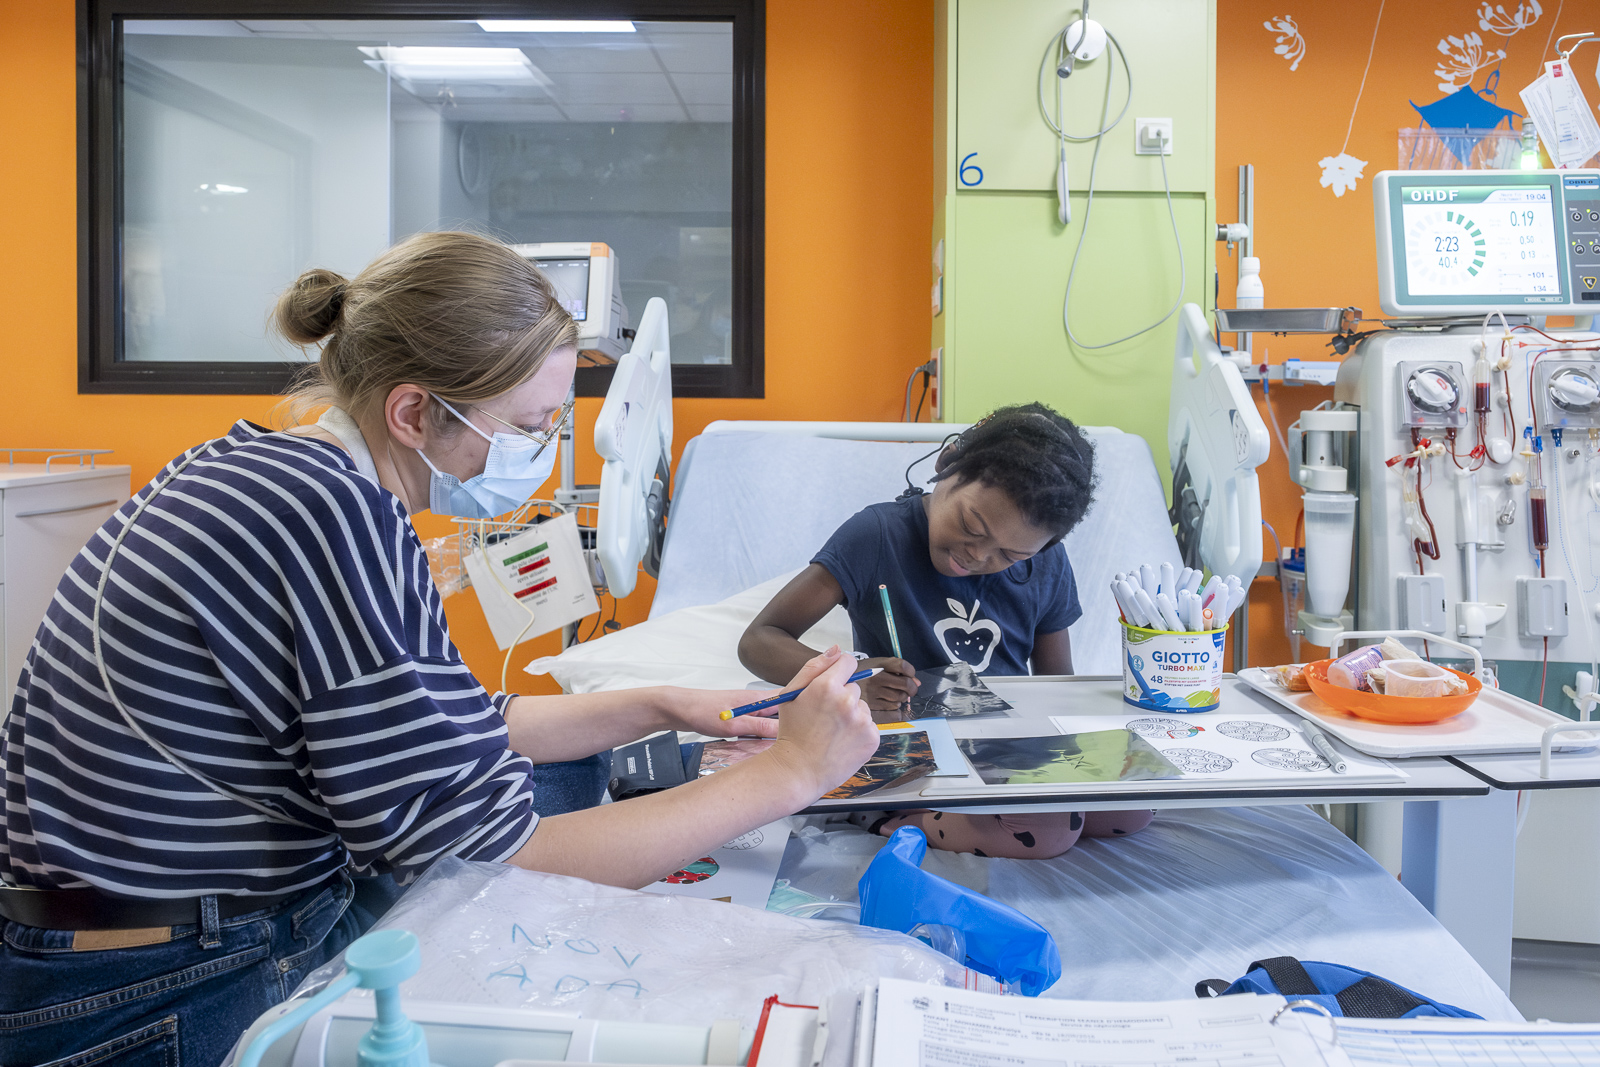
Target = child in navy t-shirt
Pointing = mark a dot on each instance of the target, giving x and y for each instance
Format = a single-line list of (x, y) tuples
[(975, 573), (991, 621)]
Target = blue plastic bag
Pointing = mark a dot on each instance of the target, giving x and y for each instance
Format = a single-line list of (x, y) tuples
[(897, 894)]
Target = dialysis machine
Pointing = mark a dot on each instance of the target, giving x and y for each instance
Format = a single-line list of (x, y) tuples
[(1456, 474)]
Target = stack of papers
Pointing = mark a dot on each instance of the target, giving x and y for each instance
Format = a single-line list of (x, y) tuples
[(927, 1026)]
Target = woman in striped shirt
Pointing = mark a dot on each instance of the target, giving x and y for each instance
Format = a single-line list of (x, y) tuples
[(242, 720)]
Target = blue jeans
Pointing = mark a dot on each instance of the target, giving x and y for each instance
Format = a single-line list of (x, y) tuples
[(176, 1003), (180, 1003)]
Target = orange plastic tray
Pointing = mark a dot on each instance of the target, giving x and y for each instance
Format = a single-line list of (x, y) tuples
[(1380, 708)]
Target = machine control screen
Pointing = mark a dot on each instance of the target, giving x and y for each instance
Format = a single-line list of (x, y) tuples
[(1480, 241), (1455, 243), (571, 279)]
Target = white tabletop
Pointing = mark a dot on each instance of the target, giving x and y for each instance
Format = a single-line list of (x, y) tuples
[(1037, 698), (1520, 770)]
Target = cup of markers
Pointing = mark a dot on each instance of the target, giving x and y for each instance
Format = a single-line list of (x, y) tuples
[(1173, 629)]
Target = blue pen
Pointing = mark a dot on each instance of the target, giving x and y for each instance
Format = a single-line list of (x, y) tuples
[(784, 698)]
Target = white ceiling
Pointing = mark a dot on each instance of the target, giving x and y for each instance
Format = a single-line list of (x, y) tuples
[(664, 72)]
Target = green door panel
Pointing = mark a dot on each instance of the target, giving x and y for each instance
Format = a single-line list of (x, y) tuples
[(998, 129), (1010, 345)]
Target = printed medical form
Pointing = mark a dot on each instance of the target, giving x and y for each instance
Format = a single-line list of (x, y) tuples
[(922, 1026)]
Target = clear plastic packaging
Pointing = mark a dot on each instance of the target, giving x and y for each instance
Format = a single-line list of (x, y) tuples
[(495, 934), (1292, 676), (1415, 678), (444, 564)]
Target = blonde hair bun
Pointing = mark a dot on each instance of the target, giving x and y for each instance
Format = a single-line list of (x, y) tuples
[(458, 314), (310, 309)]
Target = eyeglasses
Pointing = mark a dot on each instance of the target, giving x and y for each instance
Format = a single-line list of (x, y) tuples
[(542, 437)]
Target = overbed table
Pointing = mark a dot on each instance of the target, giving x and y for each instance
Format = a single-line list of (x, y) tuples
[(1460, 821)]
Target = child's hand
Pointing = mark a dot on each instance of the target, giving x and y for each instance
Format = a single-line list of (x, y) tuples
[(890, 689)]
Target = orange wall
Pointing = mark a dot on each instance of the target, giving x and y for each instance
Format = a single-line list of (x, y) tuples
[(849, 138), (849, 120), (1317, 249)]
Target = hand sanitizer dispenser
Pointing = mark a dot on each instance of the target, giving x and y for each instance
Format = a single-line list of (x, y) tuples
[(379, 961)]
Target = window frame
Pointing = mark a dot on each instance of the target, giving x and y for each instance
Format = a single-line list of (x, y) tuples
[(99, 42)]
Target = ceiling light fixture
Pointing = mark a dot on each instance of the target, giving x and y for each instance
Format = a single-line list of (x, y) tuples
[(485, 66), (555, 26)]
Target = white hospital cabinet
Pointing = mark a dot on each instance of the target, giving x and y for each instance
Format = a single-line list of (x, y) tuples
[(48, 510)]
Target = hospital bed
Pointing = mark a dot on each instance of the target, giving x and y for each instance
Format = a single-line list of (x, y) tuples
[(1202, 890)]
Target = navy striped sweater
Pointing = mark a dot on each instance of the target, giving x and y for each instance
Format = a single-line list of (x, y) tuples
[(270, 620)]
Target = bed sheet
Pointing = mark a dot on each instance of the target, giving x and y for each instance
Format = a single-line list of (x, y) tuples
[(751, 506), (1201, 893)]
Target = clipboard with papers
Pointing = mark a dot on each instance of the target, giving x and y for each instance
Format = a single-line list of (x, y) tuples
[(898, 1023)]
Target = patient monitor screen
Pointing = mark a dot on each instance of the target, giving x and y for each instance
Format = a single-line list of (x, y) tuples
[(571, 279), (1485, 240)]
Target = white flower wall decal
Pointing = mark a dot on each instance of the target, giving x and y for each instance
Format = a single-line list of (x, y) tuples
[(1340, 172), (1494, 18), (1464, 57), (1290, 45)]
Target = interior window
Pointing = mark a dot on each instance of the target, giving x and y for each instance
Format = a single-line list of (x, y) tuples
[(252, 149)]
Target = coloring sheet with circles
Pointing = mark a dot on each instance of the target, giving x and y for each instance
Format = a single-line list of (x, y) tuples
[(1228, 745)]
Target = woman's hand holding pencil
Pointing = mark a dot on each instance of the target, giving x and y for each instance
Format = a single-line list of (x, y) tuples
[(772, 703), (825, 733)]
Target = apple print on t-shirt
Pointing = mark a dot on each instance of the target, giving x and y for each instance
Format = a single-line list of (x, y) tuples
[(967, 638)]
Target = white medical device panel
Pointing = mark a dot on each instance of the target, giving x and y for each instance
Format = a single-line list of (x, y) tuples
[(588, 281), (1478, 516), (1542, 607), (633, 434), (1215, 431), (1422, 603), (1464, 242)]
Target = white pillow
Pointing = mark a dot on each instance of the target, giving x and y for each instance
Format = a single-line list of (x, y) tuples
[(696, 647)]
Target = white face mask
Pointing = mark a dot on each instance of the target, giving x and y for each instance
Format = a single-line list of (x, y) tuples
[(513, 471)]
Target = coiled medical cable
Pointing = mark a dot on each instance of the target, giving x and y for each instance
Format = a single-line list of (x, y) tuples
[(271, 813), (1057, 126), (1059, 44)]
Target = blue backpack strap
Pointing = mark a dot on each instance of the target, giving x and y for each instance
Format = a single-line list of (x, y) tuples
[(1376, 998), (1288, 975)]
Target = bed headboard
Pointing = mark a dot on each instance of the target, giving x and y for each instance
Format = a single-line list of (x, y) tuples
[(756, 500)]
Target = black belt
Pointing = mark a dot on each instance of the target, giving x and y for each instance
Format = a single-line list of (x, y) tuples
[(90, 909)]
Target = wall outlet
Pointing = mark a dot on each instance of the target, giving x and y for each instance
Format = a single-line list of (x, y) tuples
[(1152, 137), (938, 385)]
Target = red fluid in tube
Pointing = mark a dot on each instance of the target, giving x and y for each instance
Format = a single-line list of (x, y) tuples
[(1539, 517), (1480, 398)]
